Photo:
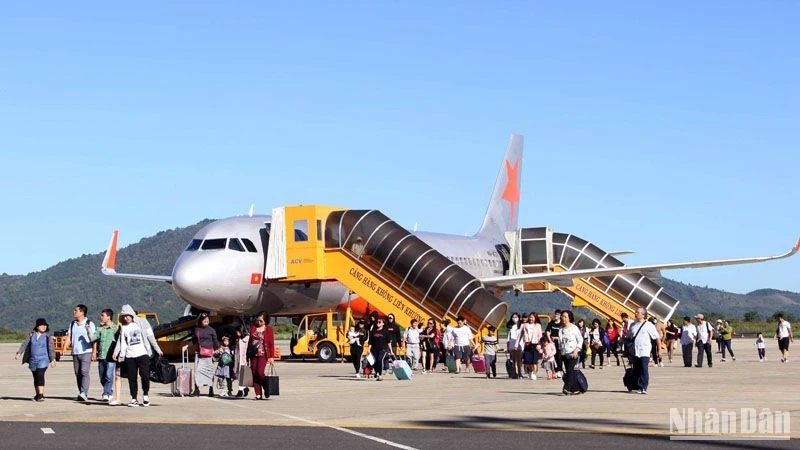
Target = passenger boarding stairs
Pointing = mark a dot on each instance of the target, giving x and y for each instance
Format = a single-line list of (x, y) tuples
[(380, 261), (536, 250)]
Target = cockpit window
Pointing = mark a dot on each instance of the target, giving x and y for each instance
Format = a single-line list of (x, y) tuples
[(214, 244), (234, 244), (194, 245), (250, 246)]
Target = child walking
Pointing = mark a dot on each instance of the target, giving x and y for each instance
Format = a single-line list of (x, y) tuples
[(762, 349), (39, 351), (547, 349), (490, 352), (224, 358)]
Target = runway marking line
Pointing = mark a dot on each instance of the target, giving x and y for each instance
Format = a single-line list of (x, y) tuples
[(48, 431), (333, 427)]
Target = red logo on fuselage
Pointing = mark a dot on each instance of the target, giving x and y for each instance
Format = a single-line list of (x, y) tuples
[(255, 278)]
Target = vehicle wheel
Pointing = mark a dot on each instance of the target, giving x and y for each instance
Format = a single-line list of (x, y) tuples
[(292, 343), (326, 352)]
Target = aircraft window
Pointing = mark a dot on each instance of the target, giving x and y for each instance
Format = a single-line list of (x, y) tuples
[(194, 245), (319, 230), (234, 244), (214, 244), (249, 244), (300, 230)]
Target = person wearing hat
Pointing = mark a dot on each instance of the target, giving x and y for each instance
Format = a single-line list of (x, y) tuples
[(705, 334), (134, 347), (718, 335), (39, 351)]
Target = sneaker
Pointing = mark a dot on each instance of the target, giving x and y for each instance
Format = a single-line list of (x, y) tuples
[(133, 404), (533, 376), (39, 398), (358, 375), (660, 364), (733, 358), (378, 378), (722, 360), (104, 398), (642, 391), (113, 402), (145, 401)]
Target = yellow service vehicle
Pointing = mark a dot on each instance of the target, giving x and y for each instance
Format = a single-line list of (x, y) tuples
[(323, 335)]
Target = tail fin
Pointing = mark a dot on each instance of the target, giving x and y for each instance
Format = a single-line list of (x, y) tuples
[(501, 216)]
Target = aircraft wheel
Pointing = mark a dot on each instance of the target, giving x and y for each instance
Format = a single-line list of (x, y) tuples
[(326, 352)]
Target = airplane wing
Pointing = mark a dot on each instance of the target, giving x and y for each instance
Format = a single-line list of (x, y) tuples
[(556, 277), (110, 261)]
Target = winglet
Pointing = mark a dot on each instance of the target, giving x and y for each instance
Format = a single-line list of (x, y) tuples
[(110, 260), (797, 246)]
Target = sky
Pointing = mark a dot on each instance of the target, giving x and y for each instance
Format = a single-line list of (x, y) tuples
[(669, 129)]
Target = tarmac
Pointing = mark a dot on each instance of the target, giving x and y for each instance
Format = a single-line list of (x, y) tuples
[(323, 404)]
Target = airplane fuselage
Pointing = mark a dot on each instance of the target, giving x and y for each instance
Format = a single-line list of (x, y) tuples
[(222, 270)]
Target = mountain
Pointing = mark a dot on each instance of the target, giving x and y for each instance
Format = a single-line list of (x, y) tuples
[(53, 292)]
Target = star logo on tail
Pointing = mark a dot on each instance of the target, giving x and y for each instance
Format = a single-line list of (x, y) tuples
[(511, 191)]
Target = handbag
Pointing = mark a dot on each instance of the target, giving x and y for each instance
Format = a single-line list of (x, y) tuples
[(206, 352), (273, 382), (630, 348), (245, 376), (596, 346)]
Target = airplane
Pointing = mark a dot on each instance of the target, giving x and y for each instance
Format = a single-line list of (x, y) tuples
[(215, 272)]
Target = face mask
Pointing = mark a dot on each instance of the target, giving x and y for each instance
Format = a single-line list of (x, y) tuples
[(515, 319)]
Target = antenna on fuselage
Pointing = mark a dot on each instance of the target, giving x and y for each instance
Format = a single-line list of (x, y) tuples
[(250, 213), (416, 224)]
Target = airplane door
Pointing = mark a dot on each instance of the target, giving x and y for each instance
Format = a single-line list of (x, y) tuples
[(264, 235)]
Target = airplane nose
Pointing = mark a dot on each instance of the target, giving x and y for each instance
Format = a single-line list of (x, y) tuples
[(191, 282)]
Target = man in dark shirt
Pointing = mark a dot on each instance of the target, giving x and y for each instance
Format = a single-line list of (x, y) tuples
[(393, 333), (554, 331)]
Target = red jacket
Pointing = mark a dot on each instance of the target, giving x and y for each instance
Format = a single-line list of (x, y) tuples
[(269, 341)]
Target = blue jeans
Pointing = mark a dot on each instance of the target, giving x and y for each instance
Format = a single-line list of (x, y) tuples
[(106, 369), (640, 371)]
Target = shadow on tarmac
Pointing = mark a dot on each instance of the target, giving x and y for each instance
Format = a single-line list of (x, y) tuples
[(627, 429)]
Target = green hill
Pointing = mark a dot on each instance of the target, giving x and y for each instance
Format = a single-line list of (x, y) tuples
[(51, 293)]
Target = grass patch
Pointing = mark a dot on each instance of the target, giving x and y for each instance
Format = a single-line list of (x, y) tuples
[(9, 336)]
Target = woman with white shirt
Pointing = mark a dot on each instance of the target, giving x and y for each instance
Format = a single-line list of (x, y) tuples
[(136, 343), (530, 336), (571, 343), (513, 347)]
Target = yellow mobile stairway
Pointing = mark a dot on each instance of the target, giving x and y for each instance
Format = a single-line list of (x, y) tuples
[(536, 250), (380, 261)]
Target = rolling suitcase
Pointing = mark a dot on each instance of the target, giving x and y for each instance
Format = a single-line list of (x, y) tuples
[(630, 382), (511, 368), (479, 363), (401, 369), (583, 383), (183, 383), (450, 362)]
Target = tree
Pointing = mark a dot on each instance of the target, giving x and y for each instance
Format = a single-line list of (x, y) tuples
[(751, 316), (785, 315)]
